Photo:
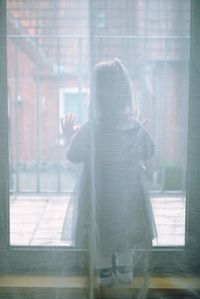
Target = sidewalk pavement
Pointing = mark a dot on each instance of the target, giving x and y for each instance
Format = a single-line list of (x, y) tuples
[(37, 220)]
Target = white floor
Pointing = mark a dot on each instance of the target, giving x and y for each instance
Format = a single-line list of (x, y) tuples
[(38, 220)]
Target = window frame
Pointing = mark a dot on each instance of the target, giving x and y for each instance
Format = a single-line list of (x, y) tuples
[(51, 259)]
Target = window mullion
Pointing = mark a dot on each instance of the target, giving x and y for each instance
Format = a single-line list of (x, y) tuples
[(4, 152)]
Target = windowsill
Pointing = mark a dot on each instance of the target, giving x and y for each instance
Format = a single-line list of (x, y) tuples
[(80, 282)]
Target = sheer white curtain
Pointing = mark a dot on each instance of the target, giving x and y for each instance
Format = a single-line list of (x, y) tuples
[(110, 177), (129, 102)]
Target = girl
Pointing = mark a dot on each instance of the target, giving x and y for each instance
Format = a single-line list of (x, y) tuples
[(113, 210)]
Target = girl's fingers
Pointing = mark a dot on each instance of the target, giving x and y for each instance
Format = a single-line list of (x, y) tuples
[(66, 119), (70, 118), (145, 122), (62, 124), (68, 125), (73, 118), (138, 116)]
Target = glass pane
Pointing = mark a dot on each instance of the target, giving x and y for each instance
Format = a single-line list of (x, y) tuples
[(48, 76)]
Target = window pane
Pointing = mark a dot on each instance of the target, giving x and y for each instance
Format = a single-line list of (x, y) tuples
[(48, 76)]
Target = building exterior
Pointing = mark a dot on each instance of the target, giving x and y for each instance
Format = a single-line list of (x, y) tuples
[(51, 45)]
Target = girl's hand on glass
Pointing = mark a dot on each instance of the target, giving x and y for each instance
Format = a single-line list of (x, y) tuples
[(138, 116), (68, 126)]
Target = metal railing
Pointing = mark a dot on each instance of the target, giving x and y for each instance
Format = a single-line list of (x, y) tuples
[(30, 170)]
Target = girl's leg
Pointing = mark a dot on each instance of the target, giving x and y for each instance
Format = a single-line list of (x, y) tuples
[(124, 258), (124, 262), (103, 261), (104, 270)]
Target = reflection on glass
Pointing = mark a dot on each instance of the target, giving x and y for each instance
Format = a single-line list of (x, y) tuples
[(48, 75)]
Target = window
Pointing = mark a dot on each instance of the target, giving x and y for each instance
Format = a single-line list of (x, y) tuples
[(54, 58)]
